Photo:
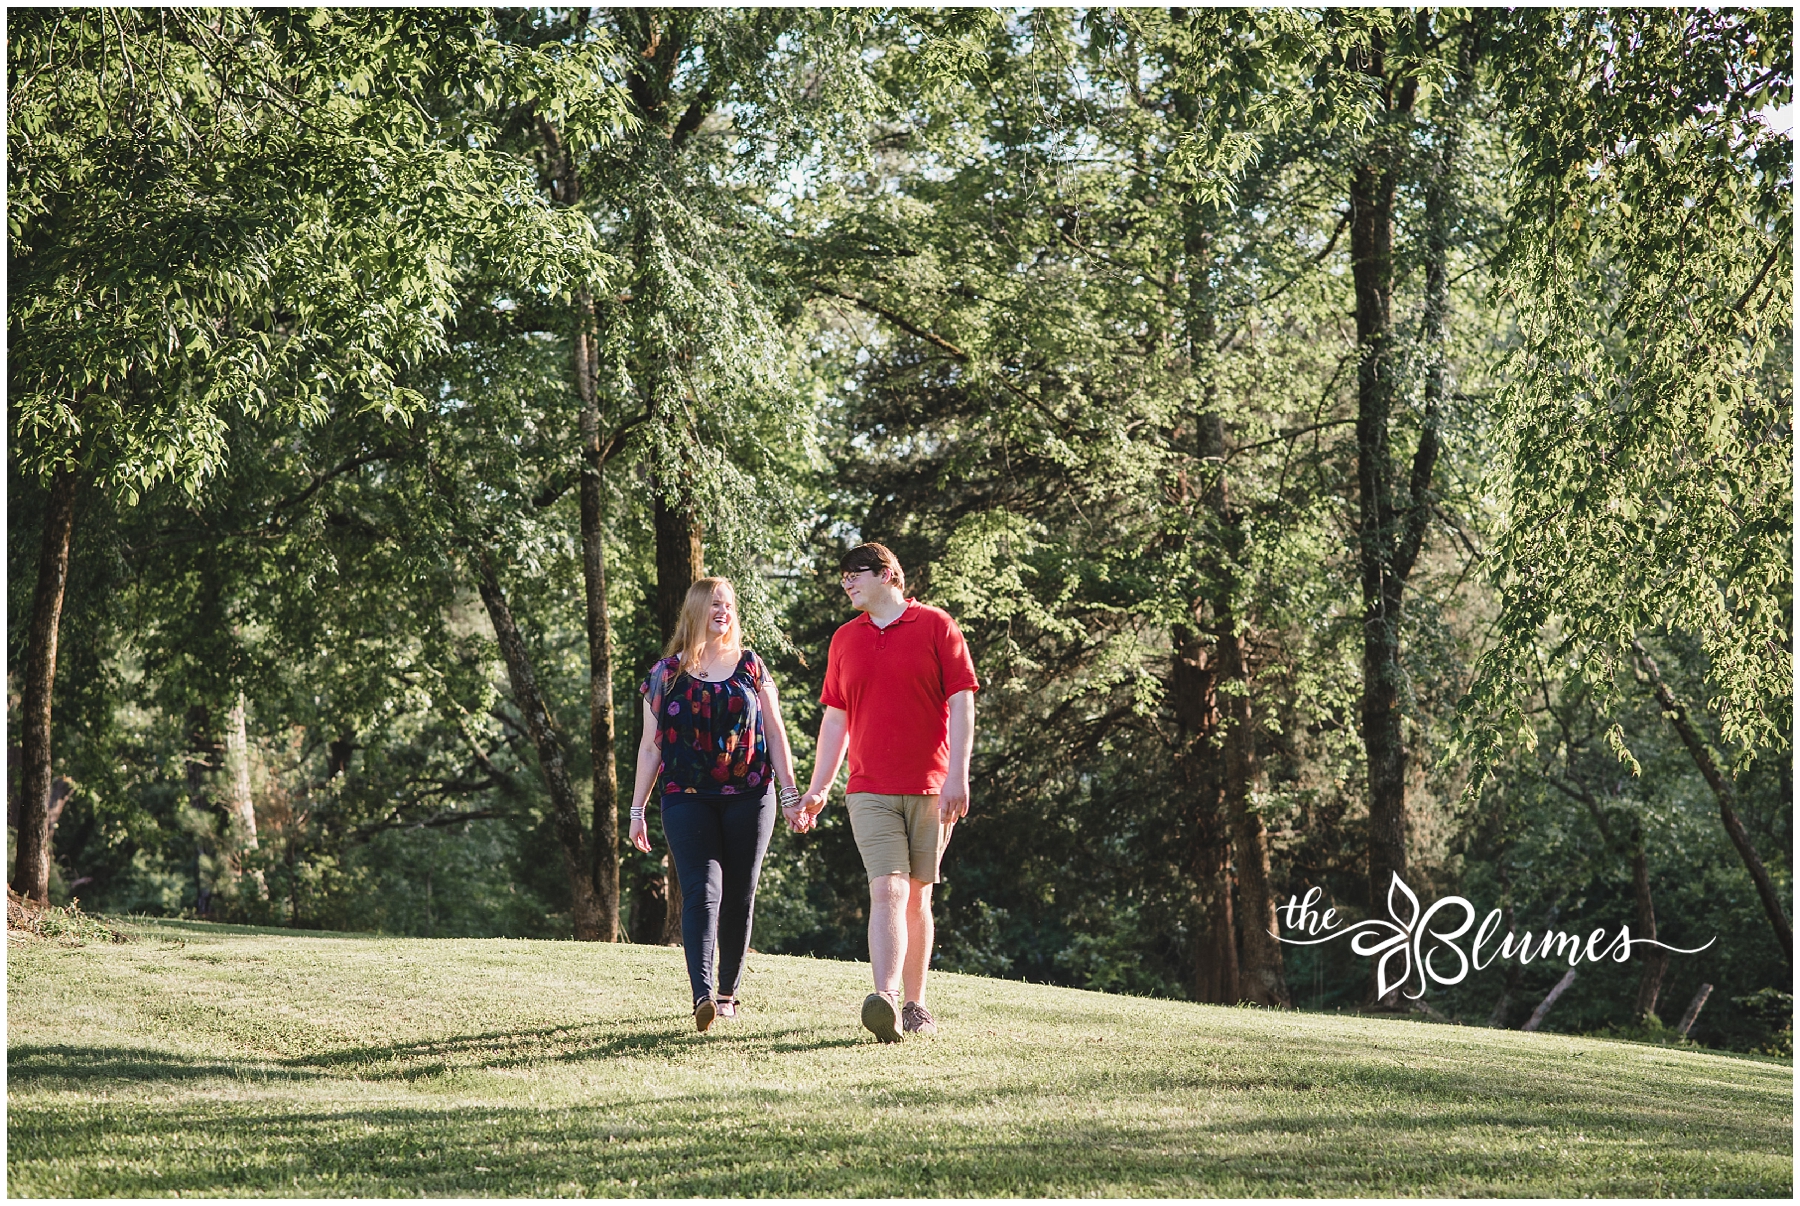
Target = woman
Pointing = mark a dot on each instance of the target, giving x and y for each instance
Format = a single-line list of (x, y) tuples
[(714, 748)]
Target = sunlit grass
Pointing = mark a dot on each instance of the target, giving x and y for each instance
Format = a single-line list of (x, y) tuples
[(203, 1060)]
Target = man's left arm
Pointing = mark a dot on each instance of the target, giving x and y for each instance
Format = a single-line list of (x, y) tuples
[(953, 797)]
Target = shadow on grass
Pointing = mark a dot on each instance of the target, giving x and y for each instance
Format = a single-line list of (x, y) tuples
[(1331, 1121), (754, 1142), (552, 1044), (30, 1067), (40, 1066), (160, 926)]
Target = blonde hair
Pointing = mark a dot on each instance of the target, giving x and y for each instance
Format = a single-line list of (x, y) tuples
[(688, 644)]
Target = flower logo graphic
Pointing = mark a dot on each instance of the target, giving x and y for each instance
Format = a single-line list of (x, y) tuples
[(1405, 946), (1411, 943)]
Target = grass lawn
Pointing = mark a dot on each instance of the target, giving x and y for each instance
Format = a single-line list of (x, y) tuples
[(213, 1060)]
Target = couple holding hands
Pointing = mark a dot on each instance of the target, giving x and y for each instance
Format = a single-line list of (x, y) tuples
[(899, 698)]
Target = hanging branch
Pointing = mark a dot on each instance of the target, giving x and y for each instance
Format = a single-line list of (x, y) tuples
[(1723, 792)]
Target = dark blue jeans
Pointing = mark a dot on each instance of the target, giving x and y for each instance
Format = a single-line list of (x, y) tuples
[(717, 844)]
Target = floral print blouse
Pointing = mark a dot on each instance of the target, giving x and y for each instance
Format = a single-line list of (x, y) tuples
[(710, 734)]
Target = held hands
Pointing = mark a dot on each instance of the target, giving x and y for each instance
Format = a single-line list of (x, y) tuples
[(640, 832), (805, 815), (791, 811)]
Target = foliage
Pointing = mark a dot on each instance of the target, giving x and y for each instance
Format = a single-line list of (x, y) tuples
[(240, 212), (1646, 423), (66, 924), (1777, 1008), (1023, 294)]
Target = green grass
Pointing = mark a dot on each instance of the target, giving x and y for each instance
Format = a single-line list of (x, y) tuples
[(214, 1060)]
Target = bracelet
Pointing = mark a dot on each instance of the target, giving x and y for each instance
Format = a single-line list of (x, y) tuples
[(789, 796), (637, 813)]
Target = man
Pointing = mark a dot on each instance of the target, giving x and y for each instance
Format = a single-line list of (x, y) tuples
[(900, 695)]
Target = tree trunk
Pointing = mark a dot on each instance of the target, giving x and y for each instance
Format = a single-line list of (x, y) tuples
[(649, 908), (61, 789), (1263, 980), (31, 868), (565, 187), (678, 561), (1656, 963), (1389, 528), (1201, 766), (239, 807), (240, 821), (602, 723), (205, 757), (1216, 975), (1254, 972), (1497, 1019), (678, 566), (1543, 1010), (1703, 758), (530, 702), (1693, 1010), (1371, 249)]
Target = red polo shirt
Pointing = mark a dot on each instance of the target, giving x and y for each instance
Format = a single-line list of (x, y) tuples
[(896, 683)]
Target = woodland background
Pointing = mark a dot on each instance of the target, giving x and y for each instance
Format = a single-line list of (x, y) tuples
[(1354, 443)]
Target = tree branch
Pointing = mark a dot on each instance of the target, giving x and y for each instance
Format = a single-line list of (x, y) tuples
[(1418, 514), (1285, 436), (1702, 755), (355, 462), (695, 114), (1774, 254), (936, 341), (450, 816)]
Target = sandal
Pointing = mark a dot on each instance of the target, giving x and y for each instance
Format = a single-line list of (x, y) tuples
[(704, 1013)]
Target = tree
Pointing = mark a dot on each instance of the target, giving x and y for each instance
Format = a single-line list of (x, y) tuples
[(204, 218), (1646, 428), (720, 103), (602, 436), (1079, 445), (1387, 60)]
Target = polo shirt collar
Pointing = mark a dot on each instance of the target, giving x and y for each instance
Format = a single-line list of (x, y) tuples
[(913, 608)]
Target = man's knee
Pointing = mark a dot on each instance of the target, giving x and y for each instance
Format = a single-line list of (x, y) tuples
[(918, 895), (889, 889)]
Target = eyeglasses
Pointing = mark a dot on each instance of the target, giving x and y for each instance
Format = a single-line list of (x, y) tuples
[(849, 574)]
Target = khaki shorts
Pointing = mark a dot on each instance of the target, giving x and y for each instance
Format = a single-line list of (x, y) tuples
[(898, 835)]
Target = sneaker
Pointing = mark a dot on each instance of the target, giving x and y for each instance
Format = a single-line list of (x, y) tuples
[(727, 1009), (704, 1013), (916, 1019), (880, 1018)]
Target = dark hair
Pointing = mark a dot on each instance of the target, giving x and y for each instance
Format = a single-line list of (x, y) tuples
[(877, 557)]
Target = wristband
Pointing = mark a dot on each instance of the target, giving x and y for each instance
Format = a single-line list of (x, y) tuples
[(789, 796)]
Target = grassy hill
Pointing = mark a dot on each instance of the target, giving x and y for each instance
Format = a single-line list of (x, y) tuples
[(211, 1060)]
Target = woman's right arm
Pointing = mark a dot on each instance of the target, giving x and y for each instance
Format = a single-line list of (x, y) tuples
[(649, 761)]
